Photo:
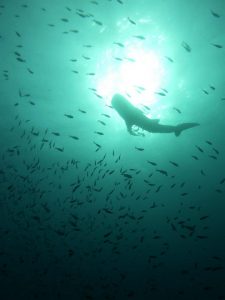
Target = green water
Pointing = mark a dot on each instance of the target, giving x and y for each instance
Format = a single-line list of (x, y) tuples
[(87, 210)]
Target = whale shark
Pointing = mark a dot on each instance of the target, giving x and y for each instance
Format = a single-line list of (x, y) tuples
[(135, 117)]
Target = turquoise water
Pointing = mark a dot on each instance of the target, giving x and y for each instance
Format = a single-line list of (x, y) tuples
[(89, 211)]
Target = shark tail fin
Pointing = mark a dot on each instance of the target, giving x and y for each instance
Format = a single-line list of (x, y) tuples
[(184, 126)]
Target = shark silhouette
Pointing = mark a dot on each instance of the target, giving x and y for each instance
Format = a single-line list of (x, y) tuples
[(135, 117)]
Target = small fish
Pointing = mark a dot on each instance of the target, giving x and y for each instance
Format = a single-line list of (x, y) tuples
[(18, 34), (105, 115), (59, 149), (199, 148), (212, 156), (217, 46), (98, 22), (203, 218), (195, 157), (99, 96), (30, 71), (86, 57), (118, 58), (107, 234), (64, 20), (119, 44), (177, 109), (158, 189), (74, 137), (215, 150), (90, 74), (127, 175), (169, 59), (68, 116), (205, 92), (160, 94), (17, 53), (140, 37), (186, 46), (101, 122), (56, 133), (131, 21), (82, 111), (139, 149), (173, 163), (222, 180), (152, 163), (130, 59), (216, 15), (107, 210), (74, 30), (146, 107), (99, 146), (202, 172), (208, 142), (162, 172), (99, 133), (212, 87), (21, 59), (202, 237)]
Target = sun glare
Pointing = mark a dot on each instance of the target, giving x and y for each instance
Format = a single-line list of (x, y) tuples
[(134, 72)]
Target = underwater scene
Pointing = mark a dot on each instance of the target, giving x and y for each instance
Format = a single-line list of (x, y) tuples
[(112, 157)]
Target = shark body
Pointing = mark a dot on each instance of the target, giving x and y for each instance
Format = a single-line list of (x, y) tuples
[(135, 117)]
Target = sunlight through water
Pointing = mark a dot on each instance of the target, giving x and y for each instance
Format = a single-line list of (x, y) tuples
[(133, 71)]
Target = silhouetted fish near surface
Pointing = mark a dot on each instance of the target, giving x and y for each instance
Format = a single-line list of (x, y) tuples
[(140, 37), (177, 109), (30, 71), (131, 21), (98, 22), (139, 149), (162, 172), (59, 149), (152, 163), (199, 148), (82, 111), (55, 133), (101, 122), (160, 93), (174, 163), (105, 115), (186, 46), (119, 44), (217, 46), (74, 137), (169, 59), (68, 116), (216, 15)]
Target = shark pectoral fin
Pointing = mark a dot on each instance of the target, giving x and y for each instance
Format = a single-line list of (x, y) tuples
[(129, 129)]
